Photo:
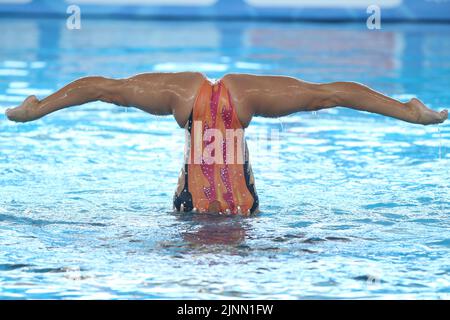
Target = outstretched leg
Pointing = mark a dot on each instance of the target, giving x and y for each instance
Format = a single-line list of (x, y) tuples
[(155, 93), (274, 96)]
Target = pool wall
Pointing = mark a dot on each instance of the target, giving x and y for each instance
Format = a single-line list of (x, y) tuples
[(394, 10)]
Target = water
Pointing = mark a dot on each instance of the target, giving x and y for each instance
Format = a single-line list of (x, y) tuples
[(354, 205)]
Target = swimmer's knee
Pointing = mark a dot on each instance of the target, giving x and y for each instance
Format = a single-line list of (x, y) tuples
[(324, 96), (111, 91)]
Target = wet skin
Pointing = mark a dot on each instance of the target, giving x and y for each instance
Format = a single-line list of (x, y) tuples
[(267, 96), (252, 95)]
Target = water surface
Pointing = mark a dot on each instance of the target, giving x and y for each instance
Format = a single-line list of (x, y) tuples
[(353, 205)]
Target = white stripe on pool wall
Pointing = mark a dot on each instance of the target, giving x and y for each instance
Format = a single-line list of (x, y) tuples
[(145, 2), (324, 3)]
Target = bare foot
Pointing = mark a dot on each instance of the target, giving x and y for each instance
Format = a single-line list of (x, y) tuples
[(423, 115), (27, 111)]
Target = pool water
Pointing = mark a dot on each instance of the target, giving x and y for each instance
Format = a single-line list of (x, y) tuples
[(354, 205)]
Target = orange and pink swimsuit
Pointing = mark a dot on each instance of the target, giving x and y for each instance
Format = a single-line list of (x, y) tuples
[(217, 176)]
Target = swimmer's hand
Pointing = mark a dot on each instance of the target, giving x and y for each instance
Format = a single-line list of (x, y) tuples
[(424, 115), (27, 111)]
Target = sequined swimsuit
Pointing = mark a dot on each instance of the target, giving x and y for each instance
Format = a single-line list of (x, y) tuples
[(217, 176)]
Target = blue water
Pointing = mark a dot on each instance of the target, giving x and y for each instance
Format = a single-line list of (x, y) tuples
[(353, 205)]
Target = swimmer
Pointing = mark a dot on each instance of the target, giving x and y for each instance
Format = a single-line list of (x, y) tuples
[(217, 176)]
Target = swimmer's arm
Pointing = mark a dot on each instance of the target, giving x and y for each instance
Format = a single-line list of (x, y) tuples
[(275, 96), (155, 93)]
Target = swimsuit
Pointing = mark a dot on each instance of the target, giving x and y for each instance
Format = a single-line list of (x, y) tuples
[(217, 176)]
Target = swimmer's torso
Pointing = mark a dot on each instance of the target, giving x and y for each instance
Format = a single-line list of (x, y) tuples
[(217, 176)]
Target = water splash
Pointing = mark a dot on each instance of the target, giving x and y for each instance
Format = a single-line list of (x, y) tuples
[(440, 142), (281, 124), (442, 186)]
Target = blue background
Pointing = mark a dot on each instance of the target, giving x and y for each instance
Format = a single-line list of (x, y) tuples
[(408, 10)]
